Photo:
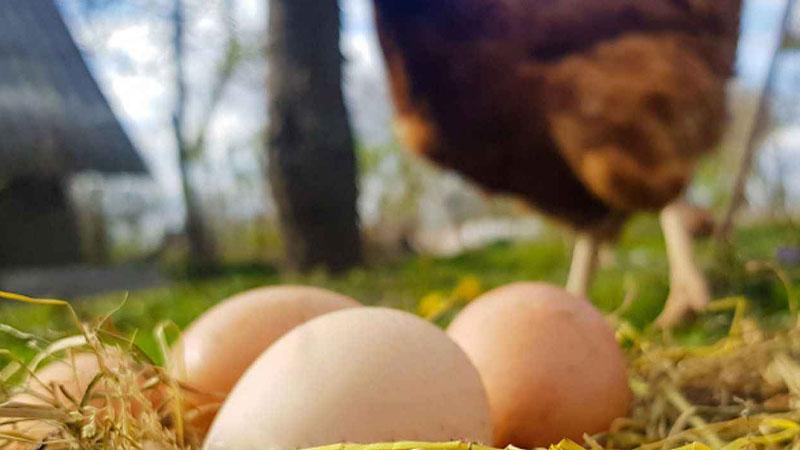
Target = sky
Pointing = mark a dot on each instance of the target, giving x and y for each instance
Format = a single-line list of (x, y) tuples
[(127, 49)]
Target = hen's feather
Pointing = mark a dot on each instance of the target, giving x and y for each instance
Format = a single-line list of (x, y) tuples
[(586, 108)]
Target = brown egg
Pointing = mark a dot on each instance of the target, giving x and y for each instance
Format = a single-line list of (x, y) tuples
[(36, 431), (47, 386), (219, 346), (71, 375), (362, 375), (63, 382), (550, 363)]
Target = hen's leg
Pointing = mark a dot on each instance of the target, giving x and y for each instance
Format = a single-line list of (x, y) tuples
[(584, 262), (688, 288)]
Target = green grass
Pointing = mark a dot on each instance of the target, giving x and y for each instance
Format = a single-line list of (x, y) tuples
[(640, 266)]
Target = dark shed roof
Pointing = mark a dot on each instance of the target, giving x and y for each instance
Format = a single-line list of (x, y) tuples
[(54, 120)]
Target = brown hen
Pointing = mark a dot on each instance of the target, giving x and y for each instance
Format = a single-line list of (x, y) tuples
[(588, 109)]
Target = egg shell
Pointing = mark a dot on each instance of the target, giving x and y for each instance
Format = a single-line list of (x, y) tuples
[(72, 375), (362, 375), (57, 375), (550, 363), (218, 347)]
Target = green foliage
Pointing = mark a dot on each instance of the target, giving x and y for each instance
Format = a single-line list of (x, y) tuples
[(639, 271)]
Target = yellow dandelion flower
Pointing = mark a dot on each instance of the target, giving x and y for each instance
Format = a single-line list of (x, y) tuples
[(468, 289), (433, 305)]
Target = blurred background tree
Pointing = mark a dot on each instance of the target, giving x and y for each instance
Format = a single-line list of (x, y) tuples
[(203, 253), (762, 122), (312, 167)]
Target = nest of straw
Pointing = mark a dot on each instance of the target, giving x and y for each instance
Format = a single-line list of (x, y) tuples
[(128, 403), (742, 391)]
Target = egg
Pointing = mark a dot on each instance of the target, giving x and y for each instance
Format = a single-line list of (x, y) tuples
[(48, 385), (65, 381), (361, 375), (71, 375), (213, 353), (550, 363)]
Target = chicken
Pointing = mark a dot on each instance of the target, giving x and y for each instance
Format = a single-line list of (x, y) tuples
[(590, 110)]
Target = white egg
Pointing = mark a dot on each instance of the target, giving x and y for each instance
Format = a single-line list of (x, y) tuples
[(219, 346), (360, 375)]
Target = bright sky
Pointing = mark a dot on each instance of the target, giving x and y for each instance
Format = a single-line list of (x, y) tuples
[(129, 53)]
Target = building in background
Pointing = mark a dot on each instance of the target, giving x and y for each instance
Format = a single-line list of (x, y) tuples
[(54, 123)]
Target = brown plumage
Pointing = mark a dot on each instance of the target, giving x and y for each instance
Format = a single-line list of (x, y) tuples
[(585, 108)]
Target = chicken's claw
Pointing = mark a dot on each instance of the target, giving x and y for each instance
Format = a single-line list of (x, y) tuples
[(689, 294)]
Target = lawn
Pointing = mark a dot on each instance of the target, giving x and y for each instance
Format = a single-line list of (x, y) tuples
[(638, 269)]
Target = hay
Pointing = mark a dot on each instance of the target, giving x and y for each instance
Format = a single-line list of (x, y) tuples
[(129, 403), (741, 392)]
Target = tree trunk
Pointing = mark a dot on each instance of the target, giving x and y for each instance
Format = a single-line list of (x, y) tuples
[(202, 251), (312, 168)]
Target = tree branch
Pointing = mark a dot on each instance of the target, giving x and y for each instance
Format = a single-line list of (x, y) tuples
[(227, 68), (757, 132)]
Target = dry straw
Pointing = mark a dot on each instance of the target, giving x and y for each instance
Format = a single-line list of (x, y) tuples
[(742, 392)]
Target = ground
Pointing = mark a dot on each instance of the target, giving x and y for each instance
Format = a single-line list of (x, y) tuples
[(638, 268)]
